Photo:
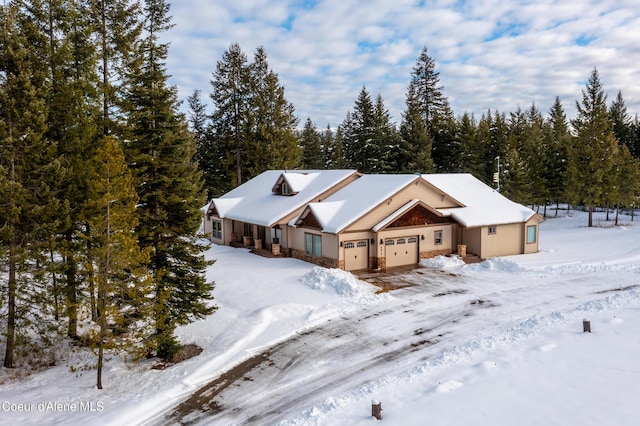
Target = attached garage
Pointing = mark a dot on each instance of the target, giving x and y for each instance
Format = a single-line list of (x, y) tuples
[(356, 255), (401, 251)]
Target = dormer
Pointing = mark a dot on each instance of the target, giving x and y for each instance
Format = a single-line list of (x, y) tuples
[(291, 183)]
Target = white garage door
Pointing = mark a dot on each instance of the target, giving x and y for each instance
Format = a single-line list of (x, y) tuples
[(401, 251), (356, 255)]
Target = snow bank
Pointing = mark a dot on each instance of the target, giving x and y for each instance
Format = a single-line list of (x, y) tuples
[(341, 283), (443, 262)]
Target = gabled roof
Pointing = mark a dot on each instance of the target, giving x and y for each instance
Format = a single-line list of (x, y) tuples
[(402, 210), (483, 205), (349, 204), (254, 201)]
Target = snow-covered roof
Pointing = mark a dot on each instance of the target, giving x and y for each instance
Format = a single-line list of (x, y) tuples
[(344, 207), (483, 205), (254, 201)]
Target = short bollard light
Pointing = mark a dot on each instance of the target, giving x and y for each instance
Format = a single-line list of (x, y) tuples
[(586, 326)]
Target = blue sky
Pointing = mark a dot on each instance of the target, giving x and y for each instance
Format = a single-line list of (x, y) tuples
[(491, 54)]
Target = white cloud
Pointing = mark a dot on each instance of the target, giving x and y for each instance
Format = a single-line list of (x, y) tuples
[(491, 54)]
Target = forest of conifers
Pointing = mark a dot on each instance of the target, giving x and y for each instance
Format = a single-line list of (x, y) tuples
[(102, 177)]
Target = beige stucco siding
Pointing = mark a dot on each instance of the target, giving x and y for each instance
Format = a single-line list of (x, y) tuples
[(473, 239), (418, 190), (506, 241)]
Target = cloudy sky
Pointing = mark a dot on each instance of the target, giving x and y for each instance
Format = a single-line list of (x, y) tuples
[(491, 54)]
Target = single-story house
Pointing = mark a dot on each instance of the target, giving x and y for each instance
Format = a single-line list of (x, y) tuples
[(347, 220)]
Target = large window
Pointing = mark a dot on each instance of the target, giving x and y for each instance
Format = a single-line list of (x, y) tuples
[(216, 229), (313, 244), (531, 234)]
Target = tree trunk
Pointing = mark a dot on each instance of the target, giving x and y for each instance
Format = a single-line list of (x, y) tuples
[(617, 213), (590, 225), (11, 309), (71, 299)]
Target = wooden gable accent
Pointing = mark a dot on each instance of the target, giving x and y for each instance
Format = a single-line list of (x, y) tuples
[(309, 221), (418, 216)]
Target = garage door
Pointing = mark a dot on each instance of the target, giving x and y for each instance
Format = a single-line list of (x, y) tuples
[(401, 251), (356, 255)]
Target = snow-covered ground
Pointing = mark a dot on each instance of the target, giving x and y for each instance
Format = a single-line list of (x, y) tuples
[(497, 343)]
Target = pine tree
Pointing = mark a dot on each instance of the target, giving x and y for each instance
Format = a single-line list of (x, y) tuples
[(311, 143), (628, 182), (415, 151), (272, 142), (231, 97), (593, 149), (29, 167), (169, 186), (205, 155), (623, 125), (122, 284), (557, 139), (358, 133), (387, 140), (425, 94), (465, 138)]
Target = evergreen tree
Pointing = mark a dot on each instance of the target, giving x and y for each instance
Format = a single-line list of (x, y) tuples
[(593, 149), (311, 143), (117, 29), (557, 139), (623, 125), (475, 150), (327, 142), (70, 60), (169, 186), (230, 96), (425, 95), (465, 139), (628, 182), (387, 140), (335, 151), (358, 133), (205, 155), (29, 167), (414, 154), (272, 142), (122, 285)]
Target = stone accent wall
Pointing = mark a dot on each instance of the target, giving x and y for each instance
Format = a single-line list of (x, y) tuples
[(320, 261), (434, 253), (382, 262)]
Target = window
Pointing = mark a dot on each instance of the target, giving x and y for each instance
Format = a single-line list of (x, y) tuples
[(401, 241), (437, 237), (313, 245), (284, 189), (412, 240), (389, 242), (362, 243), (216, 229), (349, 245), (531, 234), (492, 230)]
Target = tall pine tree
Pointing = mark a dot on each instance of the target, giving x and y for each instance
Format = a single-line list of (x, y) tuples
[(593, 149), (121, 275), (29, 168), (169, 186)]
